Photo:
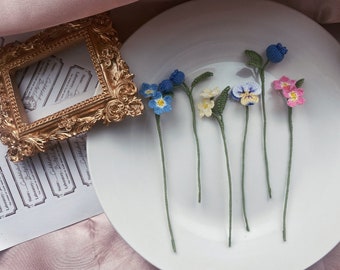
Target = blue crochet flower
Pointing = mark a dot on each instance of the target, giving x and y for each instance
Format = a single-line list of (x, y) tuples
[(160, 99), (148, 90), (160, 104), (177, 77), (166, 86), (276, 53)]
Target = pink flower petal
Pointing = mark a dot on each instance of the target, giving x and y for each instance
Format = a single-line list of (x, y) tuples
[(299, 91), (277, 85), (301, 101), (283, 83), (291, 103)]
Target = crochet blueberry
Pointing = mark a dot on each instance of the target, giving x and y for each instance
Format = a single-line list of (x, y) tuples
[(166, 86), (276, 53), (177, 77)]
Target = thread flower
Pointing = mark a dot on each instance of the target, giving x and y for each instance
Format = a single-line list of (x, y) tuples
[(214, 106), (160, 99), (294, 96), (210, 93), (148, 90), (205, 107), (283, 83), (246, 94), (160, 103)]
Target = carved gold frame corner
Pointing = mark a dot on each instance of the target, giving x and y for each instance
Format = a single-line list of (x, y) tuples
[(117, 99)]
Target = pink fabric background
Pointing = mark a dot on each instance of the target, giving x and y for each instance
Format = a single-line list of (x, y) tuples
[(322, 11), (19, 16), (93, 243)]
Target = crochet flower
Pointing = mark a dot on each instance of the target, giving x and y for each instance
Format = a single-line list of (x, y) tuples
[(160, 104), (276, 53), (166, 86), (294, 96), (290, 90), (160, 100), (205, 107), (293, 92), (210, 93), (148, 90), (247, 93), (283, 83), (215, 107), (177, 77)]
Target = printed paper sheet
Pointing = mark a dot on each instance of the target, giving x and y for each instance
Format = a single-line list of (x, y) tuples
[(54, 189)]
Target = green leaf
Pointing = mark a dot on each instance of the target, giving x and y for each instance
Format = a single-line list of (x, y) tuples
[(221, 101), (299, 83), (201, 78), (254, 59)]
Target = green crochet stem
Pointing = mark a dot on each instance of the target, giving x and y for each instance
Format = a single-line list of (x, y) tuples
[(243, 169), (262, 77), (188, 92), (290, 125), (220, 121), (165, 183)]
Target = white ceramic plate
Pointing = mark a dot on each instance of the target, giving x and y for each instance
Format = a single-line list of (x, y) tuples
[(125, 160)]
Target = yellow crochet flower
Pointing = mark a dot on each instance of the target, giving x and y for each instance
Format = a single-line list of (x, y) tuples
[(205, 107)]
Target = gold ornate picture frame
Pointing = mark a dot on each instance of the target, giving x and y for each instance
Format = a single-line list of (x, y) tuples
[(116, 99)]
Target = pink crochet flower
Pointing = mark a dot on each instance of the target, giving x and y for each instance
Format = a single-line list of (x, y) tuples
[(294, 96), (283, 83)]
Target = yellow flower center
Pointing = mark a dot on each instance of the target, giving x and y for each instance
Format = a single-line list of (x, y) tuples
[(293, 96), (160, 102), (149, 92), (247, 98), (205, 105)]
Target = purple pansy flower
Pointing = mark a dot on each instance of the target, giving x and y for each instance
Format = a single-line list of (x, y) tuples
[(246, 93)]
